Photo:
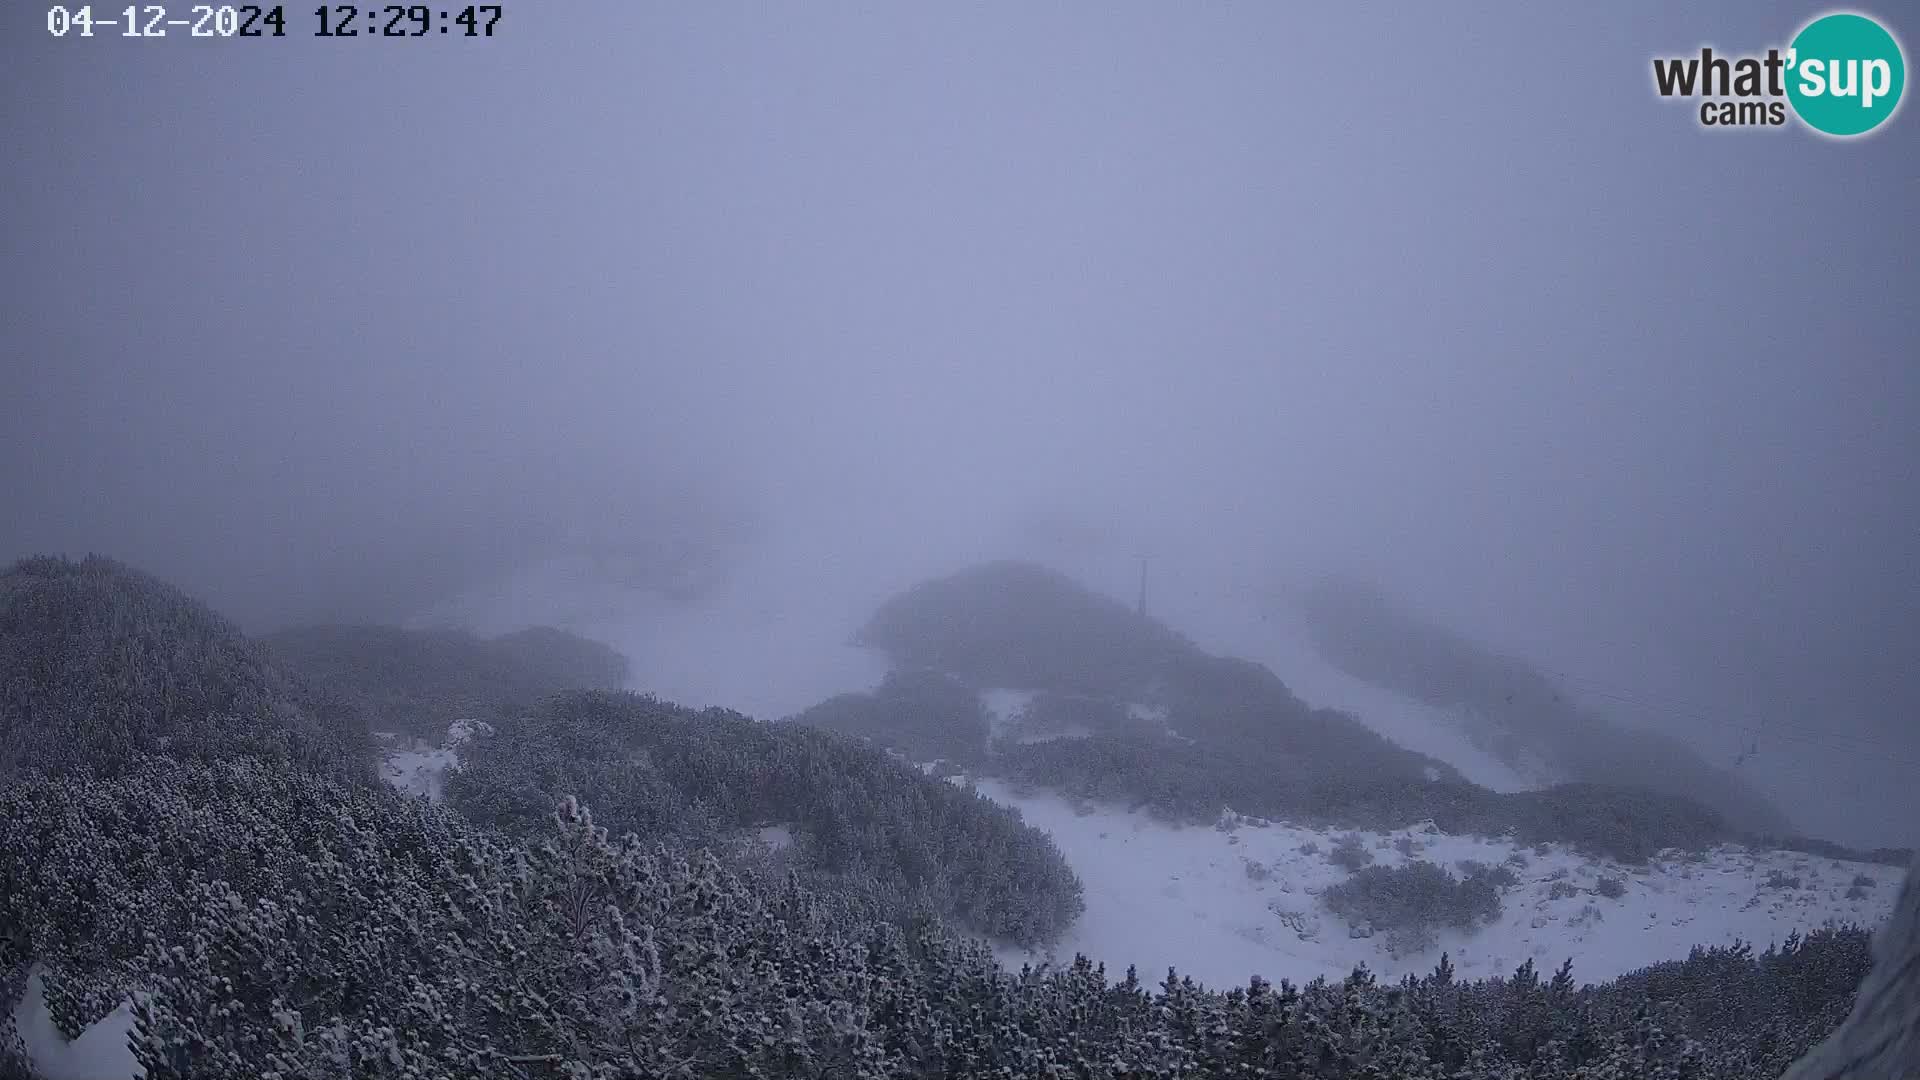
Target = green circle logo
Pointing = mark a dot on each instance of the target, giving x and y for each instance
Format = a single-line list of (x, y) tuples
[(1845, 74)]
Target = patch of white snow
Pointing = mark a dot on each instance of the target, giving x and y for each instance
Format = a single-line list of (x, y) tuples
[(100, 1053), (1227, 902), (422, 770)]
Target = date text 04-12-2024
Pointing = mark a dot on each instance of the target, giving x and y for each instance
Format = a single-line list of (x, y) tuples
[(254, 20)]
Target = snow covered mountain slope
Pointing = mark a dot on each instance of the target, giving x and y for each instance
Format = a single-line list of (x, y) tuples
[(1223, 904), (1414, 725), (1279, 639), (769, 642)]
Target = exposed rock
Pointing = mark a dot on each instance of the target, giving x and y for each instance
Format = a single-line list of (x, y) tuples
[(1881, 1039)]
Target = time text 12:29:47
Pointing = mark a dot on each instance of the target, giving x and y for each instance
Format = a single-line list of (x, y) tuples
[(253, 20), (412, 20)]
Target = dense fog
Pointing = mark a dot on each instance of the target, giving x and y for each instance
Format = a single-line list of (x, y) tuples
[(790, 307)]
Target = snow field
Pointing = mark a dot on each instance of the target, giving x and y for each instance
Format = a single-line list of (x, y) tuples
[(1159, 896)]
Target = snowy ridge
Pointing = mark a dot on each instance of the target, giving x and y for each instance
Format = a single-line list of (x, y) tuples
[(1159, 896)]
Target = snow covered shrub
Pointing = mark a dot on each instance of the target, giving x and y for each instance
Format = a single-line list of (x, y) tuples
[(1500, 877), (1177, 782), (290, 927), (1862, 881), (1855, 892), (1615, 822), (578, 956), (1612, 888), (688, 777), (1561, 890), (1016, 624), (1897, 858), (1405, 846), (14, 1064), (1052, 714), (1778, 879), (1240, 763), (325, 932), (92, 871), (922, 713), (1350, 852), (104, 664), (1417, 898)]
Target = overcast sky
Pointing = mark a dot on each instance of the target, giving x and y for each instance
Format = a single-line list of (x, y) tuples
[(321, 328)]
